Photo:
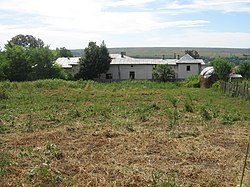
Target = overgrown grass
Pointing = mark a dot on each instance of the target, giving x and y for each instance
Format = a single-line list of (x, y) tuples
[(129, 107)]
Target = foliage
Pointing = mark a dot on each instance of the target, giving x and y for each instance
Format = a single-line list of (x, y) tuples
[(4, 66), (42, 63), (157, 181), (193, 53), (95, 60), (192, 82), (19, 63), (63, 52), (53, 151), (4, 163), (222, 68), (25, 58), (244, 69), (27, 41), (163, 72)]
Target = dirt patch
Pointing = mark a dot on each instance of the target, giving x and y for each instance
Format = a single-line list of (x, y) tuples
[(111, 157)]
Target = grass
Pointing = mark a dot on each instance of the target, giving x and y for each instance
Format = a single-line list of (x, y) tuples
[(117, 134)]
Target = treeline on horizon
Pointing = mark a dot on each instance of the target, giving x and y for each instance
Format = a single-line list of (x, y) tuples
[(234, 55)]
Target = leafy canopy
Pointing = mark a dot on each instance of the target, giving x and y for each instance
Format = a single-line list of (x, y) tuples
[(163, 72), (95, 61), (244, 69), (63, 52), (193, 53), (26, 41), (26, 58), (222, 68)]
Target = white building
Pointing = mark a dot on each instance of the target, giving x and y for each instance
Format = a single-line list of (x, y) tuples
[(123, 67), (70, 64)]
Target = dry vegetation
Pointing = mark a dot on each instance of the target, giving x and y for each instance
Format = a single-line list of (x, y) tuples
[(58, 133)]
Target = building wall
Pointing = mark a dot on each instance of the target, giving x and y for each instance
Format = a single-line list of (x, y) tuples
[(183, 73), (122, 72)]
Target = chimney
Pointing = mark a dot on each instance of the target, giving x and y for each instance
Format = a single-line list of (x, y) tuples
[(163, 57), (122, 54)]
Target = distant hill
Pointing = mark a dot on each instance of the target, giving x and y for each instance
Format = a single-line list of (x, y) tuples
[(157, 52)]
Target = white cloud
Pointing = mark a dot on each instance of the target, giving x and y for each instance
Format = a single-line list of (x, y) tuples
[(205, 5), (74, 23), (66, 20), (130, 3)]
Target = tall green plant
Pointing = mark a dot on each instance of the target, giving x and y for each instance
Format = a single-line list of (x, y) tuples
[(163, 72), (222, 68)]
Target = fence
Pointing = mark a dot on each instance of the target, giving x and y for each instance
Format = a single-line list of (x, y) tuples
[(236, 89)]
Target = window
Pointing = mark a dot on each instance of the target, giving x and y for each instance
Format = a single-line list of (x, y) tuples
[(131, 66), (132, 75), (108, 76), (188, 68)]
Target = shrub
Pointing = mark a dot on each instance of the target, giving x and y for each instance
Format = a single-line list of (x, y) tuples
[(192, 82), (3, 94), (52, 151)]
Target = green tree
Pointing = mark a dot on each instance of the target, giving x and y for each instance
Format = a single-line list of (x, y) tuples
[(63, 52), (163, 72), (95, 60), (244, 69), (26, 41), (222, 68), (4, 66), (42, 63), (193, 53), (19, 63)]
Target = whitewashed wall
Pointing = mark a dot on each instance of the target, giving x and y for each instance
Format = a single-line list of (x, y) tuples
[(183, 73), (142, 72)]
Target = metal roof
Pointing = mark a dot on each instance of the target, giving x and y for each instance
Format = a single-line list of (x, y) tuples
[(118, 59), (187, 59), (67, 62), (207, 72)]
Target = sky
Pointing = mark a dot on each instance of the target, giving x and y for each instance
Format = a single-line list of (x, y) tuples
[(128, 23)]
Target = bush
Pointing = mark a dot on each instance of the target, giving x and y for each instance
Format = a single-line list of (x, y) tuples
[(192, 82)]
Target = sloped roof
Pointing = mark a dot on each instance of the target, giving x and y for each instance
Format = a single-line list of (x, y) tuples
[(67, 62), (187, 59), (126, 60)]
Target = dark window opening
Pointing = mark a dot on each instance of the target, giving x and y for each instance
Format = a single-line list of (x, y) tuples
[(132, 66), (188, 68), (108, 76), (132, 75)]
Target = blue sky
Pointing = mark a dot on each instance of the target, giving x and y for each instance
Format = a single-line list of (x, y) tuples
[(129, 23)]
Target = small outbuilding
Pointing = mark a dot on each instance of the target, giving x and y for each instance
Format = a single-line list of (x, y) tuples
[(208, 77)]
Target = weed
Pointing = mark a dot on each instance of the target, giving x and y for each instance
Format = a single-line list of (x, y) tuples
[(52, 151), (228, 118), (74, 114), (42, 174), (3, 94), (129, 126), (26, 151), (205, 114), (188, 106), (245, 162), (4, 163), (4, 129), (157, 181)]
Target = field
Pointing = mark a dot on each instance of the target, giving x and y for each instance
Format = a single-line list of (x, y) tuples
[(131, 133), (157, 52)]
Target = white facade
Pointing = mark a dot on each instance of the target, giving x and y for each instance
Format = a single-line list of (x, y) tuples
[(187, 70), (126, 71), (123, 67)]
